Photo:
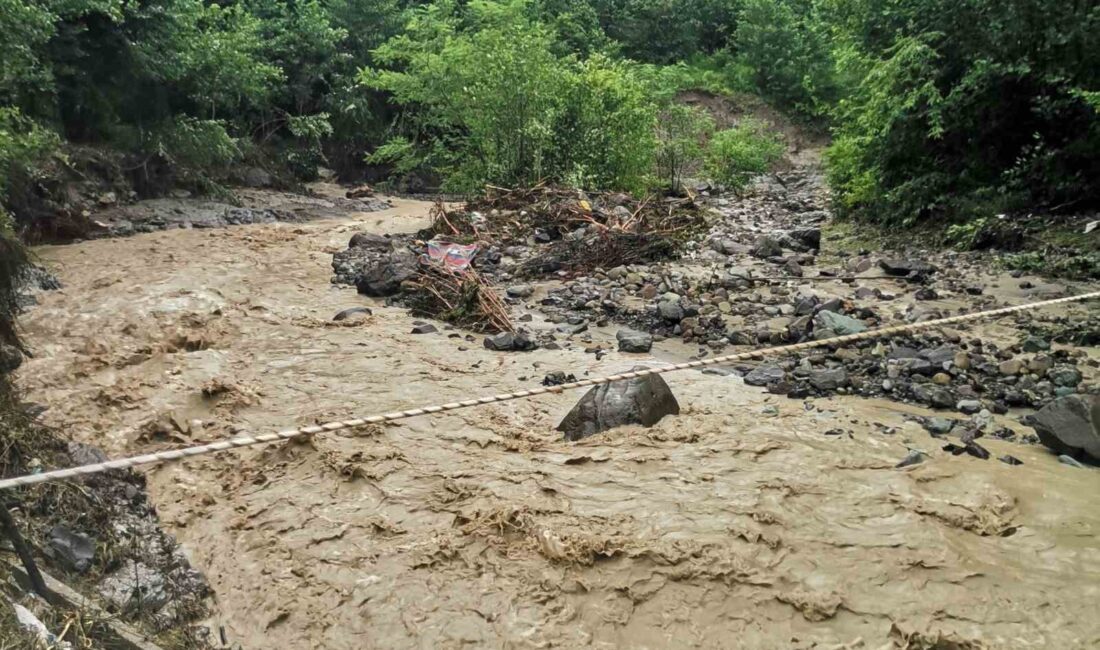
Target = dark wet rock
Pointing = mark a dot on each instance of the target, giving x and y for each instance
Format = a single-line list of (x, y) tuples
[(354, 312), (510, 342), (974, 289), (902, 352), (671, 311), (32, 280), (370, 241), (10, 358), (1010, 460), (766, 246), (806, 305), (915, 457), (520, 291), (829, 379), (74, 550), (976, 450), (557, 378), (933, 395), (926, 293), (729, 247), (383, 276), (971, 447), (904, 267), (918, 367), (829, 323), (1069, 425), (256, 177), (424, 328), (808, 237), (969, 406), (940, 355), (1035, 344), (134, 587), (641, 400), (1065, 376), (634, 341), (938, 426), (793, 268), (765, 375)]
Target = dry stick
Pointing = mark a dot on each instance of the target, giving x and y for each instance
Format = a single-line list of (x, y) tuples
[(23, 551)]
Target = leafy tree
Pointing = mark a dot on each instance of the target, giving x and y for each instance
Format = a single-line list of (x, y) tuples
[(779, 41), (966, 109), (681, 134), (735, 155), (488, 101)]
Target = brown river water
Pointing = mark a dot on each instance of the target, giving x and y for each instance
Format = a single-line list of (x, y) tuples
[(731, 525)]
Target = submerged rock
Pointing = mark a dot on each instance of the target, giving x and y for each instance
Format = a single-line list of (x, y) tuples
[(353, 314), (642, 400)]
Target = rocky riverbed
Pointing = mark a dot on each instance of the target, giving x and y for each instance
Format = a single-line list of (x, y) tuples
[(839, 498), (759, 275)]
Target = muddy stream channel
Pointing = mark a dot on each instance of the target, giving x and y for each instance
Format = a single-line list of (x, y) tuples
[(738, 523)]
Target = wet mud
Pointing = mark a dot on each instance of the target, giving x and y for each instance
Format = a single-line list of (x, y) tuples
[(746, 521)]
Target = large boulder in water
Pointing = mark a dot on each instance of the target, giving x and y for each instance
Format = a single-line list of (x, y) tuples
[(383, 276), (1070, 425), (642, 400)]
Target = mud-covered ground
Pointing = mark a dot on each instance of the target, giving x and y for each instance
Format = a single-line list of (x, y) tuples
[(751, 519)]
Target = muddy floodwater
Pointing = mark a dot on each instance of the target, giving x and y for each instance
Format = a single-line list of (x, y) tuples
[(739, 523)]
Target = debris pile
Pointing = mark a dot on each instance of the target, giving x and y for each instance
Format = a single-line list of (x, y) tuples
[(462, 298), (553, 229)]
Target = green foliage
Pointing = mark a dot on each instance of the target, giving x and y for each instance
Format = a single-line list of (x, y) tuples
[(604, 136), (966, 109), (779, 41), (666, 31), (24, 144), (488, 101), (192, 143), (719, 74), (682, 132), (26, 27), (735, 155)]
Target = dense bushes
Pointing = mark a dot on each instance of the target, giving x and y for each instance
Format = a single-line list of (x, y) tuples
[(735, 155), (941, 108), (486, 99), (967, 109)]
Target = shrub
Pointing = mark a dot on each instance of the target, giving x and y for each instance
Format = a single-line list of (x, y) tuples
[(681, 134), (486, 100), (779, 42), (24, 144), (735, 155), (963, 110)]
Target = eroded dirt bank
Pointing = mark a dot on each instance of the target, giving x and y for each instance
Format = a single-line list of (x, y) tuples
[(738, 523)]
